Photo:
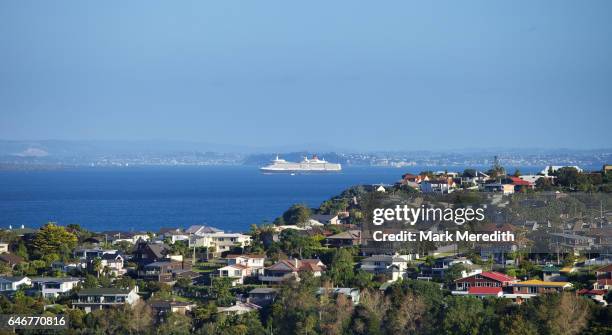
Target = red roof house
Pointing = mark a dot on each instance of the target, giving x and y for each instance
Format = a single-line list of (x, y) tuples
[(485, 279)]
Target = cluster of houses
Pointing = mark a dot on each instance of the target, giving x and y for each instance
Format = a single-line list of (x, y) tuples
[(446, 182)]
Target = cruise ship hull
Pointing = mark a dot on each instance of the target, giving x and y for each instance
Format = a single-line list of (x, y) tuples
[(277, 170), (313, 165)]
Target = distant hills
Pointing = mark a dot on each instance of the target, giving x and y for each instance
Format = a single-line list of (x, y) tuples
[(58, 153)]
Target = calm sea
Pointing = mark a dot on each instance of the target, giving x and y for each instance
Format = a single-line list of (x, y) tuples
[(230, 198)]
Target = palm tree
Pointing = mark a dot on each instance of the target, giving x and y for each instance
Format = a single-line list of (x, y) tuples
[(96, 265)]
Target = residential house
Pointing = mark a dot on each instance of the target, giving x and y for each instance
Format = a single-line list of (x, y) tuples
[(201, 230), (263, 296), (52, 287), (290, 269), (440, 185), (220, 241), (241, 266), (552, 273), (13, 283), (239, 308), (349, 292), (90, 299), (392, 266), (236, 272), (115, 237), (519, 184), (167, 271), (161, 308), (499, 188), (344, 239), (603, 277), (597, 295), (536, 286), (147, 252), (482, 292), (4, 247), (10, 259), (473, 177), (114, 264), (254, 261), (485, 279), (572, 242), (441, 265), (412, 178), (324, 219)]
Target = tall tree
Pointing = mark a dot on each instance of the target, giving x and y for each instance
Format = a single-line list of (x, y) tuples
[(52, 238)]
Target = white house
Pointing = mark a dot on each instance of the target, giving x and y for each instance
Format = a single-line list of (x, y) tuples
[(443, 185), (114, 262), (236, 272), (393, 266), (90, 299), (3, 247), (13, 283), (51, 287), (221, 241), (242, 266)]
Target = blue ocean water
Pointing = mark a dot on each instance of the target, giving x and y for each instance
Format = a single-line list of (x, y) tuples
[(147, 198)]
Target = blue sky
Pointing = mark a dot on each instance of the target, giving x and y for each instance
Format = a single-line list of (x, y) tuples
[(355, 74)]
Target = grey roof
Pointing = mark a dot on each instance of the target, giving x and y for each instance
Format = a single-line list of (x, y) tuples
[(263, 290), (322, 217), (104, 291), (54, 279), (160, 263), (202, 229), (11, 279), (383, 258)]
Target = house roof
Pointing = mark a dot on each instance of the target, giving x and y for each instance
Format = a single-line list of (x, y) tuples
[(235, 266), (169, 304), (158, 249), (485, 290), (161, 263), (11, 279), (202, 229), (238, 307), (537, 282), (55, 279), (104, 291), (263, 290), (497, 276), (519, 182), (551, 268), (585, 291), (607, 268), (346, 235), (297, 265), (10, 258), (604, 281), (322, 217), (257, 256)]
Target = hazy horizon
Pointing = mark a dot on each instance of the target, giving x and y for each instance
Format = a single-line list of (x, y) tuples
[(393, 76)]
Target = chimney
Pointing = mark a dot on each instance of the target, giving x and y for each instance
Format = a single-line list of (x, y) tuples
[(296, 262)]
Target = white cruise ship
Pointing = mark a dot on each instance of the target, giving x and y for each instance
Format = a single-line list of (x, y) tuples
[(306, 165)]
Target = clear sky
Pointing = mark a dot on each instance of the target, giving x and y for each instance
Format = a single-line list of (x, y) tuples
[(355, 74)]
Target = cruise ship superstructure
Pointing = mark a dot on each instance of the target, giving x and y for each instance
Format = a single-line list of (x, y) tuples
[(306, 165)]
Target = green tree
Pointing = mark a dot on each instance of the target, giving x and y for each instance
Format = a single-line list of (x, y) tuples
[(52, 238), (175, 324), (297, 214), (341, 271)]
